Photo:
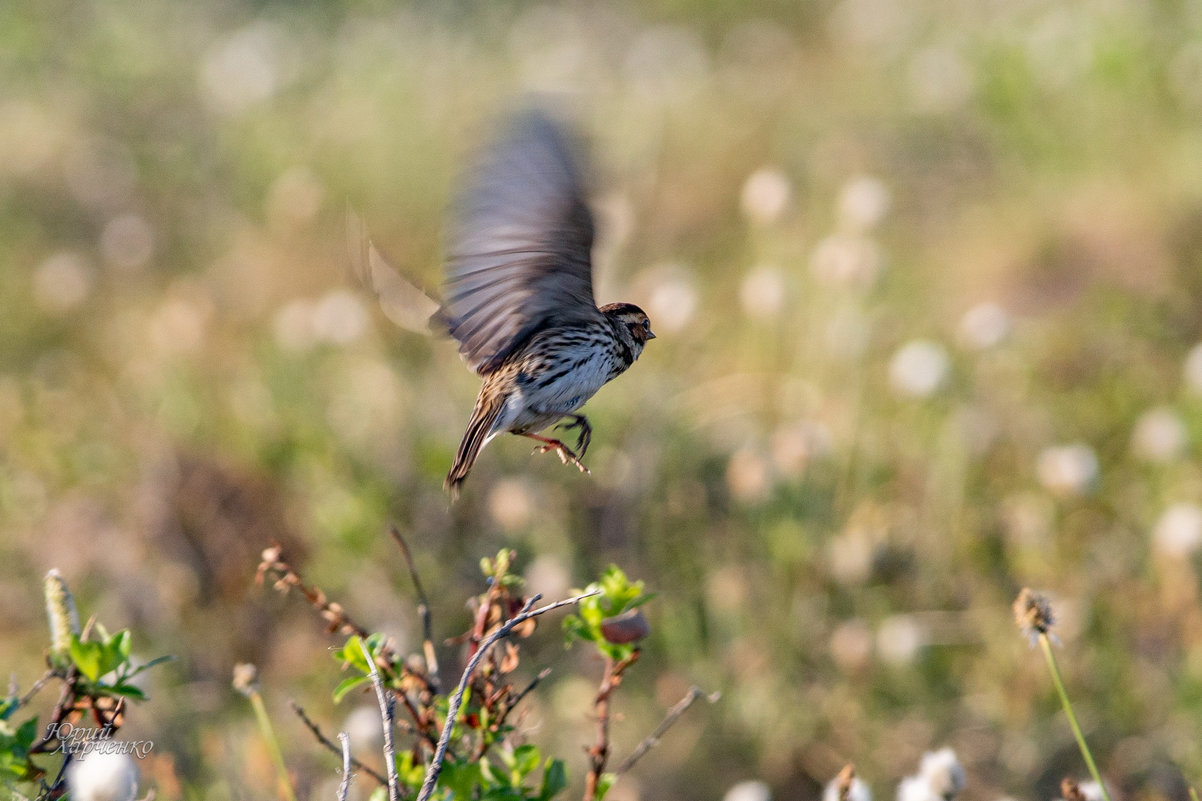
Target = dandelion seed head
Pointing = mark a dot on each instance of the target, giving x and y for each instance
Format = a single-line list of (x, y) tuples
[(846, 260), (127, 242), (918, 368), (863, 203), (61, 283), (1159, 436), (900, 638), (762, 292), (339, 317), (1068, 469), (1192, 370), (984, 326), (766, 195), (1178, 532)]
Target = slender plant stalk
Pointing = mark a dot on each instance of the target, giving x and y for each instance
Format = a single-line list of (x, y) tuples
[(1046, 645), (456, 699), (385, 700), (344, 787), (273, 745)]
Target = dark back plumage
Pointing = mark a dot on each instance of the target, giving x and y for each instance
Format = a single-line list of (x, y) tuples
[(519, 252)]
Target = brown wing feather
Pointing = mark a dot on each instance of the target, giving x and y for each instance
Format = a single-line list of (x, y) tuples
[(519, 252)]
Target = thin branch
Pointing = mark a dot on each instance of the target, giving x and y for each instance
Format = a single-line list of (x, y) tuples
[(67, 701), (495, 727), (33, 690), (456, 699), (385, 699), (669, 720), (344, 787), (423, 611), (599, 753), (542, 674), (321, 738)]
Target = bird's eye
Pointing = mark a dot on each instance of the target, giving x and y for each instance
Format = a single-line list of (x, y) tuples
[(646, 324)]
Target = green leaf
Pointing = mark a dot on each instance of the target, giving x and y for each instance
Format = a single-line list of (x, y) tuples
[(555, 780), (118, 646), (346, 685), (14, 751), (460, 778), (87, 657), (525, 760), (411, 775), (605, 782), (351, 654), (129, 691), (8, 706), (156, 661), (27, 733)]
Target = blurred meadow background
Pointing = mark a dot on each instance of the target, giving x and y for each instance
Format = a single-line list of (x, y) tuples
[(926, 278)]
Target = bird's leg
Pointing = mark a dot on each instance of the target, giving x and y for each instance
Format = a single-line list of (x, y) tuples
[(565, 453), (586, 432)]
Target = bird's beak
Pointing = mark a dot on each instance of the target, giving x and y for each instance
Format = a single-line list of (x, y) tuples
[(650, 334)]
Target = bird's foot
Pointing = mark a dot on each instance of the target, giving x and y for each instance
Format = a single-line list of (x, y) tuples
[(586, 432), (565, 453)]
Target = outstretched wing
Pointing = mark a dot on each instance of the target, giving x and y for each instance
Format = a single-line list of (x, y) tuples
[(519, 251), (401, 300)]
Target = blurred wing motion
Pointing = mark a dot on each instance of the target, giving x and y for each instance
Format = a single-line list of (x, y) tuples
[(519, 252), (401, 300)]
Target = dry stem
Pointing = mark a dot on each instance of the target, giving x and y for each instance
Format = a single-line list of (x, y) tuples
[(456, 700)]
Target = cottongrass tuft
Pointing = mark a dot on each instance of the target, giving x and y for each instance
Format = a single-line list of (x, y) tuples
[(1033, 614), (752, 790), (846, 787), (103, 776), (940, 777)]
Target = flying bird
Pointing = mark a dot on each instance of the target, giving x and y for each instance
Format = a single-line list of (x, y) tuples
[(518, 295)]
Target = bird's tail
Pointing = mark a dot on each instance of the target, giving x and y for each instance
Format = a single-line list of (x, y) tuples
[(488, 408)]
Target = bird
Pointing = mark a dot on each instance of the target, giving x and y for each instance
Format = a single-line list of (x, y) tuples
[(517, 295)]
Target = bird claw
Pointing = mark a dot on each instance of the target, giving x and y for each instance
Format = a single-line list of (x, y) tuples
[(565, 455), (586, 432)]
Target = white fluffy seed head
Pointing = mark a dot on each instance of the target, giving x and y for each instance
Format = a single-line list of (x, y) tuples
[(103, 776)]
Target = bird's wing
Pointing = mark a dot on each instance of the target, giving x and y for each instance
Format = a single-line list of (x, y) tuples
[(401, 300), (519, 252)]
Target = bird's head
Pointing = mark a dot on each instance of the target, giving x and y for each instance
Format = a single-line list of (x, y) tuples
[(633, 319)]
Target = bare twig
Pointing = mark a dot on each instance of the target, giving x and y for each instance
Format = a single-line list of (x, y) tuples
[(272, 561), (34, 688), (509, 707), (423, 611), (321, 738), (385, 700), (674, 714), (344, 787), (542, 674), (63, 708), (599, 753), (456, 699)]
